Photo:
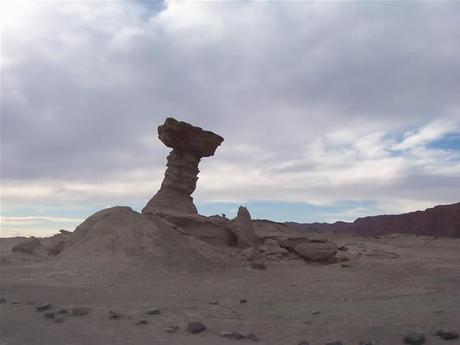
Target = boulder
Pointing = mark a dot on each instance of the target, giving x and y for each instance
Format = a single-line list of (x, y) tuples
[(241, 226), (315, 251), (28, 246)]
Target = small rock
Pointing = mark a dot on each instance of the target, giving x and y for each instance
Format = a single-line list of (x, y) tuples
[(239, 336), (343, 248), (244, 300), (171, 329), (365, 342), (49, 315), (195, 327), (447, 335), (335, 343), (214, 303), (414, 339), (153, 311), (2, 300), (78, 311), (439, 311), (316, 313), (58, 318), (62, 311), (258, 265), (303, 342), (141, 322), (43, 306), (113, 315), (15, 303), (344, 265)]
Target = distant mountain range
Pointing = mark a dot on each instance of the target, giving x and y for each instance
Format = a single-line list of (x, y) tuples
[(442, 220)]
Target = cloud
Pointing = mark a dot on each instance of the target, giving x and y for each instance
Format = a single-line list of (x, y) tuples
[(317, 102)]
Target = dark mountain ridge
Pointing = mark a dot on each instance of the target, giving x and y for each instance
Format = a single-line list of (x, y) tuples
[(441, 220)]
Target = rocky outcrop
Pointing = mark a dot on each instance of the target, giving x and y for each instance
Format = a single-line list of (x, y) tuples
[(316, 251), (209, 229), (189, 145), (241, 226)]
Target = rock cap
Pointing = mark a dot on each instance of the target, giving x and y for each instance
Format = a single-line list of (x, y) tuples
[(185, 137)]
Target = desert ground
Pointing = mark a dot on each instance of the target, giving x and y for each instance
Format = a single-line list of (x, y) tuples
[(391, 286)]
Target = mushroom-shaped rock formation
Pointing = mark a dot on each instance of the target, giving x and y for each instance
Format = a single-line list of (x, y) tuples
[(189, 145)]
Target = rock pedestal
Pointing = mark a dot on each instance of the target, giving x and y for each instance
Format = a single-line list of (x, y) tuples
[(189, 145)]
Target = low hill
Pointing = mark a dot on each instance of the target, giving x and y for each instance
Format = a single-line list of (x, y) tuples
[(441, 220)]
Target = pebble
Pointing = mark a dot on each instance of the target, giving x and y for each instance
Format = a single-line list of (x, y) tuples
[(195, 327), (43, 306), (49, 315), (316, 313), (171, 329), (447, 335), (153, 311), (113, 315), (258, 265), (62, 311), (414, 339), (141, 322), (214, 303), (239, 336), (78, 311), (244, 300)]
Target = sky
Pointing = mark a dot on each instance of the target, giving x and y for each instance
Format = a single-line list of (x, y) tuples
[(329, 110)]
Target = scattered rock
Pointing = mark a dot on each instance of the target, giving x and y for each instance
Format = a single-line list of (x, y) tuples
[(62, 311), (319, 240), (335, 343), (15, 303), (27, 246), (303, 342), (345, 265), (316, 313), (342, 248), (365, 342), (258, 265), (414, 339), (141, 322), (58, 318), (214, 303), (195, 327), (43, 306), (49, 315), (77, 311), (244, 300), (447, 335), (315, 251), (154, 311), (2, 300), (113, 315), (171, 329)]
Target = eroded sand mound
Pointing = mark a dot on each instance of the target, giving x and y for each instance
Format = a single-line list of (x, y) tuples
[(120, 233)]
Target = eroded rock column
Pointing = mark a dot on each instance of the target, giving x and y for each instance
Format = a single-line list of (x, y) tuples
[(189, 145)]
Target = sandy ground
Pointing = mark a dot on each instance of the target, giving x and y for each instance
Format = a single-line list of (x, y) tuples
[(398, 284)]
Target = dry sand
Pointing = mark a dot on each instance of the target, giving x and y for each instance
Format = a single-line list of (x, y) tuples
[(398, 284)]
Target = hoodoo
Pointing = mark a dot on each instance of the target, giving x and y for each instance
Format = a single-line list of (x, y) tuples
[(189, 144)]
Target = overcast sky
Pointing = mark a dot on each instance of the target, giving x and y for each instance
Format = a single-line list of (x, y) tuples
[(330, 111)]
